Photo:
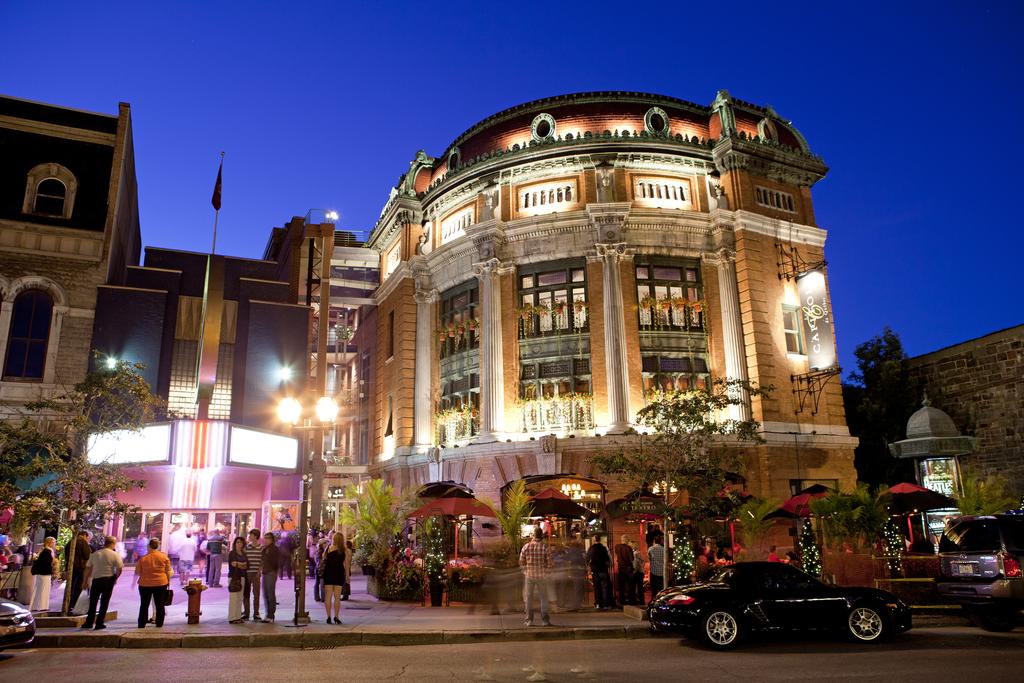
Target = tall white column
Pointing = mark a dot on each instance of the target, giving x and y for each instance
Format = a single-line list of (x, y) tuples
[(492, 382), (732, 329), (616, 367), (422, 414)]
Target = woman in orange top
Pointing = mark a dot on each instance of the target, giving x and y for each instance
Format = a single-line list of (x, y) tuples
[(154, 572)]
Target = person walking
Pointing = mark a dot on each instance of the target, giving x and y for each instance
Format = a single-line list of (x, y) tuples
[(599, 560), (270, 564), (215, 558), (42, 570), (535, 561), (334, 577), (656, 553), (638, 577), (287, 547), (141, 546), (319, 552), (254, 559), (237, 566), (186, 556), (346, 590), (154, 572), (77, 572), (624, 570), (101, 573)]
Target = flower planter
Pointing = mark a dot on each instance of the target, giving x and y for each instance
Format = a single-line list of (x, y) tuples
[(466, 592), (436, 593)]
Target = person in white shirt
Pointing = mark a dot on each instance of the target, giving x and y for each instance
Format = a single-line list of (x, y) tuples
[(186, 556), (103, 568)]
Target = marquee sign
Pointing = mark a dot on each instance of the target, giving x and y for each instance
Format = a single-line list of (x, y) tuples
[(818, 329)]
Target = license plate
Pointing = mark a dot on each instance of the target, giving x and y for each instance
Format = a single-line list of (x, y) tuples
[(965, 569)]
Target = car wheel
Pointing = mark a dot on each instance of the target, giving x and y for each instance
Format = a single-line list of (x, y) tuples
[(994, 619), (721, 629), (867, 624)]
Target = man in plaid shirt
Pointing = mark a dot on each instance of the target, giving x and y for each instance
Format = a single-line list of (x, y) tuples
[(535, 560)]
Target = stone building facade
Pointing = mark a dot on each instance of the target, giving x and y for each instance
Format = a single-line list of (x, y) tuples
[(566, 259), (980, 384), (69, 222)]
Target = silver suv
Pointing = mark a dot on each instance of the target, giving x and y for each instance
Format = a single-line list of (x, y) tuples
[(980, 567)]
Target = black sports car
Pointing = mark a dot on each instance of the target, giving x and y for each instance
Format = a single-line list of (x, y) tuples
[(17, 626), (770, 596)]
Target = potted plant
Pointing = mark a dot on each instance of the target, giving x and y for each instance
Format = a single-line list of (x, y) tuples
[(435, 559)]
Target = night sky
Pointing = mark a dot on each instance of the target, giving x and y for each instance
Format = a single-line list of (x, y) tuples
[(914, 106)]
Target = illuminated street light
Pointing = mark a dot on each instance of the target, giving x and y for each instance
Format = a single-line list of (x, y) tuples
[(332, 215), (326, 409), (111, 362), (289, 410), (284, 373)]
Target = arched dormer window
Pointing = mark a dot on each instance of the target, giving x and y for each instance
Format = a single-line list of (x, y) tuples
[(50, 197), (50, 191), (29, 335)]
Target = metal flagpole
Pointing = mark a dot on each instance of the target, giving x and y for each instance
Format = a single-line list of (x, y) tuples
[(216, 203)]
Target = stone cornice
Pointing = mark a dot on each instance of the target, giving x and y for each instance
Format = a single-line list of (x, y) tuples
[(57, 131), (67, 243), (402, 272), (784, 231), (774, 162), (400, 210)]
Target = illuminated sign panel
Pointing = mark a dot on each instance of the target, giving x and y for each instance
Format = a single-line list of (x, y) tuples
[(818, 330), (151, 444), (262, 449)]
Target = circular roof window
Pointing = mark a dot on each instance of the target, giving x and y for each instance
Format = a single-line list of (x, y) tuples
[(656, 121), (543, 127), (767, 130), (454, 159)]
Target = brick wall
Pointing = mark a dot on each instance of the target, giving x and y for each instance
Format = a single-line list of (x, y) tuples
[(395, 376), (980, 384)]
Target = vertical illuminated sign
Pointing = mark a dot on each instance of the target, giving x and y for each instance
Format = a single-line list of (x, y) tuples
[(818, 330)]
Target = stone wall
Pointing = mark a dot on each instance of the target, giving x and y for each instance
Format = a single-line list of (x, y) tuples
[(980, 383)]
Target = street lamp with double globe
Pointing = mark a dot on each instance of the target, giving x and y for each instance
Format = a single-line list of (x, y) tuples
[(290, 411)]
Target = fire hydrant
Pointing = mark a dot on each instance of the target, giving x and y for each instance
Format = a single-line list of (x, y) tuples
[(194, 589)]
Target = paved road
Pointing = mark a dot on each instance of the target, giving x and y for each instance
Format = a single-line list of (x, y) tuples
[(946, 654)]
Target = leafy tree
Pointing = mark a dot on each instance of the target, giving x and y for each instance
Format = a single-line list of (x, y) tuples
[(987, 496), (376, 520), (810, 553), (51, 469), (690, 450), (879, 399), (512, 514), (754, 527), (856, 518)]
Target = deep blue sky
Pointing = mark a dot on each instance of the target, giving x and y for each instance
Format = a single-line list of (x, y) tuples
[(914, 106)]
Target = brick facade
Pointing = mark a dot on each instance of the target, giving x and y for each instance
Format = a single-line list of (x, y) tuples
[(980, 384)]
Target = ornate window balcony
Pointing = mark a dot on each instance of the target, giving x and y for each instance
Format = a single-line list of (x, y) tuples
[(671, 313), (456, 424), (564, 413)]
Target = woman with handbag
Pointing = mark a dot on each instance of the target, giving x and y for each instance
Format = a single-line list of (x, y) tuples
[(42, 570), (334, 576), (237, 566), (154, 572)]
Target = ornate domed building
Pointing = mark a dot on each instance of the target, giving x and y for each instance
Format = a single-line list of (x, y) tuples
[(564, 260)]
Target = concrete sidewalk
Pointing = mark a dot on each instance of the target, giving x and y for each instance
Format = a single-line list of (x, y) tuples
[(366, 621)]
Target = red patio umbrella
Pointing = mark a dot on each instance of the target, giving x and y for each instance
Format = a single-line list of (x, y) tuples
[(451, 506), (552, 503), (907, 497), (800, 504)]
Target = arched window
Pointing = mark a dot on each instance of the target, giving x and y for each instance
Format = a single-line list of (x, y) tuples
[(50, 191), (30, 335), (50, 196)]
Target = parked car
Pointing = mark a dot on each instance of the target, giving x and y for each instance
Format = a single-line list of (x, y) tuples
[(750, 597), (17, 627), (980, 567)]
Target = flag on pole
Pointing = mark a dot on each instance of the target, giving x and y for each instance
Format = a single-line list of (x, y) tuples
[(216, 188)]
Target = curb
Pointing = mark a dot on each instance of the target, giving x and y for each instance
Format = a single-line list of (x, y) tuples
[(310, 640)]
